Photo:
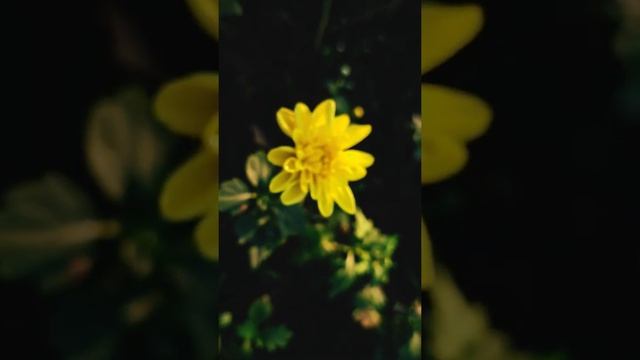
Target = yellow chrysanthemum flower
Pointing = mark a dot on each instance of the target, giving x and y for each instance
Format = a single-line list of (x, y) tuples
[(322, 162), (450, 117), (189, 106)]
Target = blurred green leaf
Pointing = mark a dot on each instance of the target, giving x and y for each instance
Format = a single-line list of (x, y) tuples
[(233, 193), (260, 310), (257, 168), (45, 220), (275, 337), (362, 225), (108, 144), (230, 8), (247, 330), (292, 220), (121, 143), (340, 282), (246, 226)]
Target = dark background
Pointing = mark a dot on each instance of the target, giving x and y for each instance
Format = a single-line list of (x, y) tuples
[(541, 225), (58, 59)]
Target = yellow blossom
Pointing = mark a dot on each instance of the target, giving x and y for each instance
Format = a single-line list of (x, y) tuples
[(321, 162), (189, 106), (450, 117)]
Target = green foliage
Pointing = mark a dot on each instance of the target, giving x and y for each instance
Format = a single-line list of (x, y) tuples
[(275, 337), (368, 253), (260, 220), (257, 169), (233, 193), (256, 334), (358, 252)]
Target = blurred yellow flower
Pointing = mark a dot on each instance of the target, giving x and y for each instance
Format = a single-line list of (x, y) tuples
[(450, 117), (206, 12), (321, 163), (189, 106)]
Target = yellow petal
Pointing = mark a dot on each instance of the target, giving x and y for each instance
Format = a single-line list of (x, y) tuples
[(293, 195), (188, 104), (455, 113), (207, 235), (303, 114), (277, 156), (192, 189), (345, 199), (325, 201), (280, 181), (441, 156), (210, 136), (292, 165), (445, 30), (313, 188), (286, 120), (324, 112), (354, 134), (351, 173), (340, 124), (428, 266), (206, 12), (357, 157)]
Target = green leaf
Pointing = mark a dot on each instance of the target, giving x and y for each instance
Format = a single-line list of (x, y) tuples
[(363, 225), (340, 282), (247, 330), (276, 337), (108, 145), (230, 8), (260, 310), (291, 220), (246, 226), (258, 254), (43, 221), (233, 193), (257, 168)]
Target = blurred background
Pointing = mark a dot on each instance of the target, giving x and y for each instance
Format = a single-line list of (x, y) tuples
[(540, 228), (88, 270)]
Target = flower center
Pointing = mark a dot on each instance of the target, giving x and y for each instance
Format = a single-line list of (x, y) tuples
[(317, 159), (313, 160)]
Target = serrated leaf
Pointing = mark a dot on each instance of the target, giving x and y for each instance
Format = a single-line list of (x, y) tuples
[(233, 193), (257, 168), (276, 337)]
